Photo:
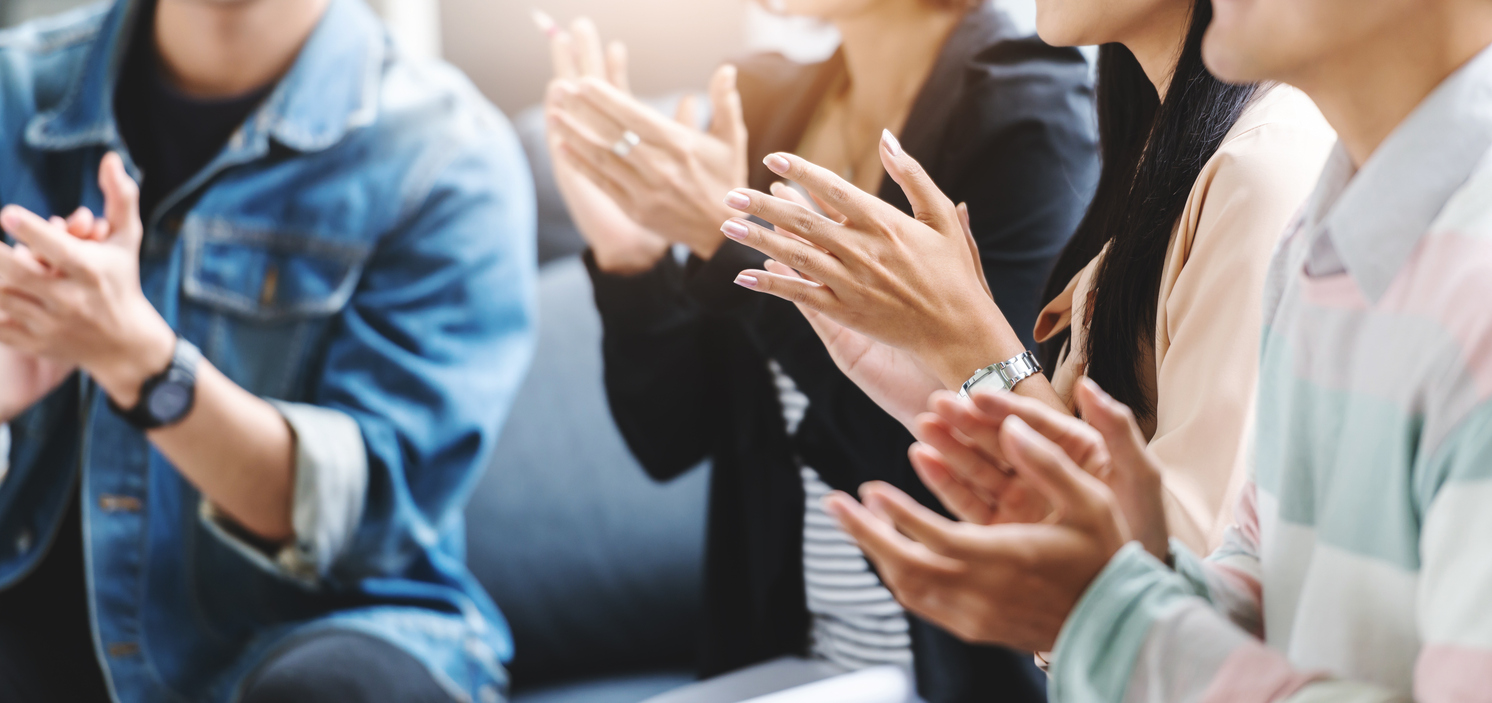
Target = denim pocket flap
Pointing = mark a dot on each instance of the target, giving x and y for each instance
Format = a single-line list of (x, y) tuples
[(268, 274)]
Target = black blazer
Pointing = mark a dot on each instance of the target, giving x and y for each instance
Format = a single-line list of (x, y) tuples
[(1005, 123)]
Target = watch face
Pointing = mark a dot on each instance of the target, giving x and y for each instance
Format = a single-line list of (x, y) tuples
[(169, 401)]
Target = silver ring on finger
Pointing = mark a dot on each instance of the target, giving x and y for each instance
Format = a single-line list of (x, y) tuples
[(624, 146)]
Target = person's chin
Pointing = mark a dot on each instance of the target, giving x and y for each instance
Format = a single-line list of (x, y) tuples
[(1228, 57)]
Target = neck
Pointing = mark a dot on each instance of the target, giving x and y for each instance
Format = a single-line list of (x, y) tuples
[(1157, 42), (217, 49), (889, 50), (1367, 89)]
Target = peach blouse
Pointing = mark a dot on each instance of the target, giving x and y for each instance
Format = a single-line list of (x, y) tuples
[(1208, 317)]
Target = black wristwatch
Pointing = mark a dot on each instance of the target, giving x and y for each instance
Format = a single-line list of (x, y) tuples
[(167, 397)]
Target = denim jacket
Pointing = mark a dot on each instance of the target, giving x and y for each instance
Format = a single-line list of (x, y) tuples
[(361, 254)]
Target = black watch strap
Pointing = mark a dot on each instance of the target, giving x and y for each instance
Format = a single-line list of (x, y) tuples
[(167, 397)]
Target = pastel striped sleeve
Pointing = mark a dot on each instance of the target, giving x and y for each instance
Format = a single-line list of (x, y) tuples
[(1230, 577)]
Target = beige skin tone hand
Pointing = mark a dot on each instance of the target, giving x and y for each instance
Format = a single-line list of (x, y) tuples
[(30, 378), (619, 244), (893, 378), (1012, 584), (671, 183), (78, 303), (960, 457), (908, 282)]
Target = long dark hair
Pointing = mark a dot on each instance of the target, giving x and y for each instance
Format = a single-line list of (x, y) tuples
[(1152, 151)]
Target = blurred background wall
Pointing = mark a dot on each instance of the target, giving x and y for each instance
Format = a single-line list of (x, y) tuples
[(674, 44)]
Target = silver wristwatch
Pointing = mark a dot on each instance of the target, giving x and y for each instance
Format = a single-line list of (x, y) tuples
[(1007, 373)]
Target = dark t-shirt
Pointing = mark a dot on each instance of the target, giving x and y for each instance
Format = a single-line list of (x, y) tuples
[(44, 621)]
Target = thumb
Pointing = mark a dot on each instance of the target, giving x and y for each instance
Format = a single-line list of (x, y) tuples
[(687, 113), (929, 203), (727, 123), (121, 201)]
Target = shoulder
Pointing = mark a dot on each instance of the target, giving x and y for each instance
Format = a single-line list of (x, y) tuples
[(39, 60), (1275, 152), (431, 111)]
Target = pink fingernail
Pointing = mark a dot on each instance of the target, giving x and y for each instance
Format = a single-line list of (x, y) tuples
[(734, 229), (738, 200), (746, 281), (889, 140), (832, 508), (778, 163)]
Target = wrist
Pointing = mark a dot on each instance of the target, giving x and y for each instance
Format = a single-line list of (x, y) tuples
[(144, 356), (987, 339), (629, 261)]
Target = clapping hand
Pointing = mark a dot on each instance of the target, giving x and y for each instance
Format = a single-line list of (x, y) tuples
[(77, 301), (618, 243), (1011, 584), (908, 282), (27, 378), (668, 176)]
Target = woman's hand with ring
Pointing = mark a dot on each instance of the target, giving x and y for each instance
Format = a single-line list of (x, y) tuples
[(618, 243), (672, 179)]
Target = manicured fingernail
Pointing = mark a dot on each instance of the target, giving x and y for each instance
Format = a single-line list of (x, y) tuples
[(831, 507), (738, 200), (9, 218), (734, 229), (746, 281), (778, 163), (889, 140)]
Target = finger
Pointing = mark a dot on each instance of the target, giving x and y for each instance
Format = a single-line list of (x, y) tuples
[(727, 123), (687, 113), (121, 201), (795, 218), (781, 269), (982, 429), (588, 55), (972, 466), (801, 256), (928, 202), (826, 187), (894, 555), (24, 310), (781, 189), (806, 294), (1082, 442), (1074, 493), (952, 493), (913, 519), (626, 112), (51, 244), (963, 220), (616, 66), (562, 55), (594, 152), (1115, 424), (80, 223)]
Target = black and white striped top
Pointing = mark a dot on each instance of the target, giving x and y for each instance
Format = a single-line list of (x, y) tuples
[(857, 623)]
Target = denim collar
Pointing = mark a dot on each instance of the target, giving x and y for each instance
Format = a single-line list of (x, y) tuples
[(331, 89), (1370, 221)]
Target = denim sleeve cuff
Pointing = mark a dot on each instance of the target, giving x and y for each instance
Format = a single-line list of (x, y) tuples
[(331, 484), (1102, 638)]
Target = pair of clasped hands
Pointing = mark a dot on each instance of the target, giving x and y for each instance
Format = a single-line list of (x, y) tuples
[(70, 298), (1043, 499)]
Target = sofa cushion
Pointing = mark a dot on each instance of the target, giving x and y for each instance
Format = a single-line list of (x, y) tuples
[(597, 567)]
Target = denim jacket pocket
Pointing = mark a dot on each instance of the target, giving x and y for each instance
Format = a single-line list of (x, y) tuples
[(257, 300)]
